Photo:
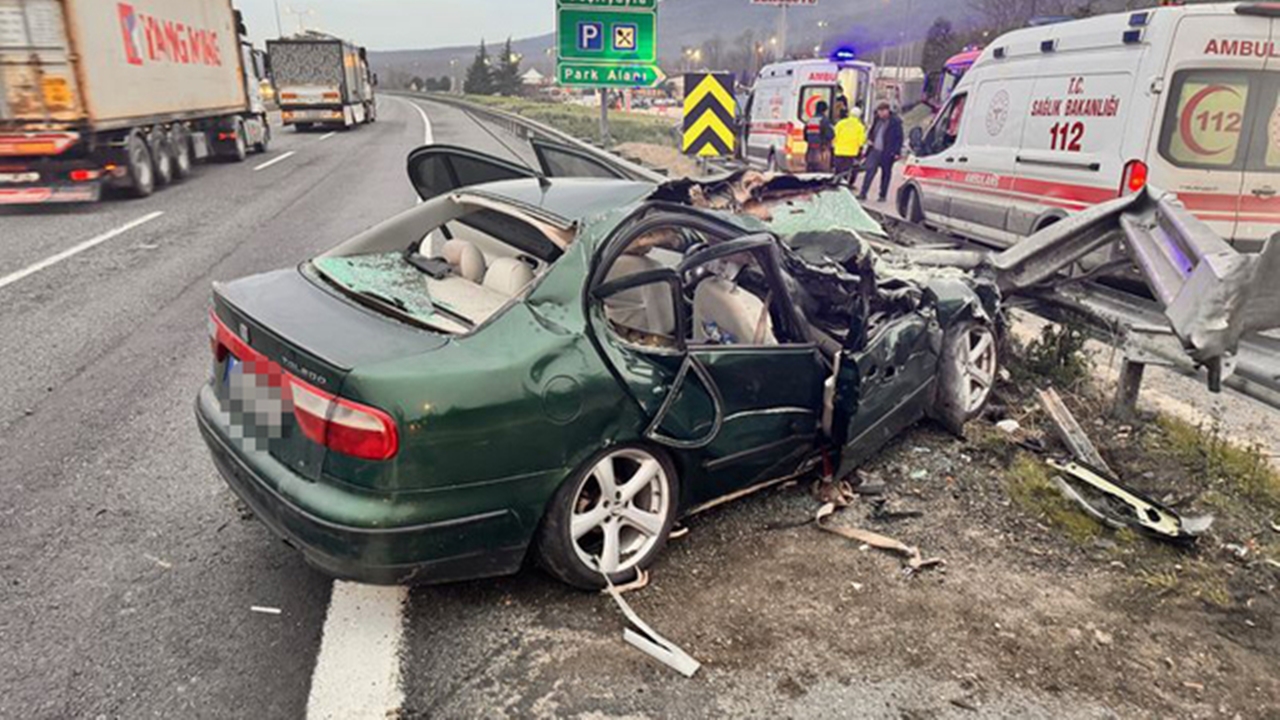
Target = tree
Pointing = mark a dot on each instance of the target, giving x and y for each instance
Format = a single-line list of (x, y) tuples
[(941, 43), (506, 79), (479, 76)]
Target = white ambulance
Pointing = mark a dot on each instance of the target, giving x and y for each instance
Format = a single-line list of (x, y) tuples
[(1054, 119), (786, 96)]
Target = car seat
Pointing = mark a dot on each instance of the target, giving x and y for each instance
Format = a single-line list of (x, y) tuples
[(508, 276), (466, 259), (648, 309), (725, 314)]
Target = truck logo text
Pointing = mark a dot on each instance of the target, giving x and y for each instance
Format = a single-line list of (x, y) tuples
[(149, 39)]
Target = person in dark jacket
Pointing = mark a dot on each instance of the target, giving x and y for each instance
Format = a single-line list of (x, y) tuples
[(884, 148), (819, 133)]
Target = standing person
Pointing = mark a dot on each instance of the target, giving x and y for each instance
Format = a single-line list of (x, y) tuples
[(818, 134), (885, 149), (851, 137)]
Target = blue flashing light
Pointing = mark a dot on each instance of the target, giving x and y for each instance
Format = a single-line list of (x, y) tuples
[(844, 54)]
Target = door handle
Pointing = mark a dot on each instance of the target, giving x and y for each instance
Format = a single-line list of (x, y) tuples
[(1264, 192), (951, 160), (964, 160)]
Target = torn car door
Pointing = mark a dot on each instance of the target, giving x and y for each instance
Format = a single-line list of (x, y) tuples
[(883, 388), (749, 411)]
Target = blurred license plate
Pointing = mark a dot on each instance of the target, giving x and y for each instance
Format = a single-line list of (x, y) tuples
[(22, 177)]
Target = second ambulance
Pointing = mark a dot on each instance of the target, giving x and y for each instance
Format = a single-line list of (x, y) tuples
[(1054, 119)]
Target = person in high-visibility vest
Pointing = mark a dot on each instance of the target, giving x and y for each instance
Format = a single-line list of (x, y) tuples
[(851, 137)]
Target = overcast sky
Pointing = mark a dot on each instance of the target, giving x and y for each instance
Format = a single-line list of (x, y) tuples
[(403, 24)]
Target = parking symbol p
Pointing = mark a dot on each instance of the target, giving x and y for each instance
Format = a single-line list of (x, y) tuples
[(624, 37), (591, 36)]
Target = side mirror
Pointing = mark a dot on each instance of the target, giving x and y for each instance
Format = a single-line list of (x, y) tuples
[(917, 141)]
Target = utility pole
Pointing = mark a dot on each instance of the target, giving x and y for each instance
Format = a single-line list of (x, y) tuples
[(782, 33), (279, 25)]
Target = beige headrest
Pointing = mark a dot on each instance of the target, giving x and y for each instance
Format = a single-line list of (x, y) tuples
[(508, 276), (466, 259)]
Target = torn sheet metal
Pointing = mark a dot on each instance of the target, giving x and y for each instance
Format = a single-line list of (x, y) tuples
[(648, 641), (915, 562), (1143, 513)]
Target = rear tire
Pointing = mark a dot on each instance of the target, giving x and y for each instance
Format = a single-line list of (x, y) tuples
[(240, 150), (625, 533), (967, 372), (142, 173), (180, 142), (162, 158), (263, 146), (910, 208)]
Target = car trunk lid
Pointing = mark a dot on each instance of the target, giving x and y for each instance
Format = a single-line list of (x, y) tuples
[(285, 326)]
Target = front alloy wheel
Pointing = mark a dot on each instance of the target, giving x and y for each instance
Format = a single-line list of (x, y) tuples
[(967, 373), (611, 518)]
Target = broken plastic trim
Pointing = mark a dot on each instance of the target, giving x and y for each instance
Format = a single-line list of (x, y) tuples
[(1148, 516), (648, 641)]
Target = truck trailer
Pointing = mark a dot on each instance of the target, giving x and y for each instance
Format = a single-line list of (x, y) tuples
[(321, 80), (100, 93)]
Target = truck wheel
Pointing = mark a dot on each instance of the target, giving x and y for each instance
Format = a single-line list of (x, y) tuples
[(302, 127), (240, 150), (261, 147), (138, 162), (613, 514), (967, 371), (180, 144), (162, 158)]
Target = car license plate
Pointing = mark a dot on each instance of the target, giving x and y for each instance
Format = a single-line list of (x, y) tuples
[(22, 177)]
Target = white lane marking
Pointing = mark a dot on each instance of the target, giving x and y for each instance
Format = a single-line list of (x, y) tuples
[(273, 161), (357, 674), (428, 136), (326, 136), (48, 262)]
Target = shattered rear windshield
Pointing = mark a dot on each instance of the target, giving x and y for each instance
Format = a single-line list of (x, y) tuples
[(387, 279), (823, 225)]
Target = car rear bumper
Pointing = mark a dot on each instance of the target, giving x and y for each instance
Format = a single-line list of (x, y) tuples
[(447, 551), (51, 194)]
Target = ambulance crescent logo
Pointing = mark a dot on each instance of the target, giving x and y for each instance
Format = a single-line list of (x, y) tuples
[(998, 113), (132, 31)]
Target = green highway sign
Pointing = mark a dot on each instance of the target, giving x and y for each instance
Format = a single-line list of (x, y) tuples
[(573, 74), (612, 4), (607, 43)]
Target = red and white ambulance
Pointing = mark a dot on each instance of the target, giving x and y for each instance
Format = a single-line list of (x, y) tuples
[(1051, 120), (785, 98)]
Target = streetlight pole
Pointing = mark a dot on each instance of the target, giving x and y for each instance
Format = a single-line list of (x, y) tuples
[(279, 25), (782, 33)]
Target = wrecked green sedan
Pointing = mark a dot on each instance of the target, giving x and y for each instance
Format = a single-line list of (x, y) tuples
[(534, 366)]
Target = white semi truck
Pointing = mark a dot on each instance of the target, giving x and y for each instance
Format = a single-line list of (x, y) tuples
[(323, 81), (125, 94)]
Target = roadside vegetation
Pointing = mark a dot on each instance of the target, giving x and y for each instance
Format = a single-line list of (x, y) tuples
[(584, 122)]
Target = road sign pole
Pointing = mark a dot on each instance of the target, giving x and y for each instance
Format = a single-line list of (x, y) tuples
[(605, 140)]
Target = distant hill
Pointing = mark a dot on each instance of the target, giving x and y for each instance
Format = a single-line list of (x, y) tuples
[(865, 25), (862, 24)]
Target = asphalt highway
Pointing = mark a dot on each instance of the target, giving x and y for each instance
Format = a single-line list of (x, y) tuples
[(128, 577)]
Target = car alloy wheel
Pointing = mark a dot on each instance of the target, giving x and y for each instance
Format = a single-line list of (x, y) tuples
[(620, 511), (979, 370)]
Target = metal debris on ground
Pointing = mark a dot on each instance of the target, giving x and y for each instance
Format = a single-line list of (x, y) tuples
[(1009, 427), (881, 512), (915, 562), (648, 641), (641, 582), (264, 610), (1142, 513), (1275, 527), (1135, 509)]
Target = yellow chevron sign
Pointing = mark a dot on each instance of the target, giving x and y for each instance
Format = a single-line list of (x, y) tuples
[(710, 115)]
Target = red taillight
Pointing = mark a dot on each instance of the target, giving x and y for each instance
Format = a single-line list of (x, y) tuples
[(341, 425), (84, 175), (226, 136), (332, 96), (1135, 177)]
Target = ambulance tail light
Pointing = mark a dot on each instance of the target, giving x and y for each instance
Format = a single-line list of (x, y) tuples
[(1134, 178)]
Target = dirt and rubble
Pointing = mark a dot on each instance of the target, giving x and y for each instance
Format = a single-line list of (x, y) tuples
[(1039, 611)]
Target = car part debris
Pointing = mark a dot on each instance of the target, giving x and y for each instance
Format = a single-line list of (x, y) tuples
[(641, 582), (1142, 513), (1009, 427), (1073, 436), (646, 640), (915, 562), (880, 512), (1275, 527), (265, 610)]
